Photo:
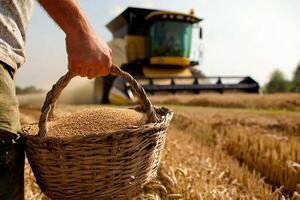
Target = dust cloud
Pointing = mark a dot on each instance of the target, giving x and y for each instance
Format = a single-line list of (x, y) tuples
[(79, 91)]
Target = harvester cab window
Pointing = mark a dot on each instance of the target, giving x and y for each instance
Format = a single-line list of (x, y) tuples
[(170, 38)]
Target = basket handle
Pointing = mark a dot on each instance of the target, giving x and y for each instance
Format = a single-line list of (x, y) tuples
[(54, 93)]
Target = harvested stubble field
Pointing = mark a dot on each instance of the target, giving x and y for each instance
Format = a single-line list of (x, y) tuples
[(232, 100), (219, 153)]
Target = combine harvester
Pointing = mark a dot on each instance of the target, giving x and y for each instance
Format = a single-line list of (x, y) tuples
[(161, 49)]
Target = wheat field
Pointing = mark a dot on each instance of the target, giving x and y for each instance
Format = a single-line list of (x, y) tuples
[(233, 100), (218, 152)]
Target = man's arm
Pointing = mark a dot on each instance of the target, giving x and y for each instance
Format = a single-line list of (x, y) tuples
[(88, 55)]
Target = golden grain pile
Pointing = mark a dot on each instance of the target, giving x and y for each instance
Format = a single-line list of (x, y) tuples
[(94, 121)]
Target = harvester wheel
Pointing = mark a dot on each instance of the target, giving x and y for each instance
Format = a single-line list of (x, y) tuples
[(101, 89)]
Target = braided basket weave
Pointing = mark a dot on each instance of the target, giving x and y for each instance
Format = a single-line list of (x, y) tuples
[(110, 165)]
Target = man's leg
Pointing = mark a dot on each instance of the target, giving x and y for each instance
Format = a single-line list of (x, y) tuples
[(11, 149), (11, 167)]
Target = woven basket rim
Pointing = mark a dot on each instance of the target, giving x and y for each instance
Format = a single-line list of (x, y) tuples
[(165, 115)]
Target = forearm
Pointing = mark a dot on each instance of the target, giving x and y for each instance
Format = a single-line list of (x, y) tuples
[(88, 55), (67, 15)]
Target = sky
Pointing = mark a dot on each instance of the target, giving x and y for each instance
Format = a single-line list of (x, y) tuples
[(240, 37)]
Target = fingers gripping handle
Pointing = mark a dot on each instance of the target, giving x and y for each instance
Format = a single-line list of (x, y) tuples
[(54, 93)]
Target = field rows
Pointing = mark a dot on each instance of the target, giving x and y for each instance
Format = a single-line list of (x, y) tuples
[(267, 144), (267, 101)]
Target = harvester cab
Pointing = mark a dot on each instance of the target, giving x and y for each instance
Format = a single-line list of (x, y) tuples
[(162, 50)]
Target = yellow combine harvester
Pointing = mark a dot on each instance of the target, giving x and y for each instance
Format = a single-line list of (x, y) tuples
[(160, 49)]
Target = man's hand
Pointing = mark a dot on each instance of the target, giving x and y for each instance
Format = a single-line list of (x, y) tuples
[(88, 56)]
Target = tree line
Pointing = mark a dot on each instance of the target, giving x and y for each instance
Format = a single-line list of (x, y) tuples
[(28, 90), (279, 83)]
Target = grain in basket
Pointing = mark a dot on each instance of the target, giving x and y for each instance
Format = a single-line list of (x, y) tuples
[(94, 121)]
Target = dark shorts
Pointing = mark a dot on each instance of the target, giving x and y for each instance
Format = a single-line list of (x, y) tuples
[(11, 167), (9, 107)]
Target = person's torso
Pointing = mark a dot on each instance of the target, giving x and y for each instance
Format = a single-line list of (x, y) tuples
[(14, 18)]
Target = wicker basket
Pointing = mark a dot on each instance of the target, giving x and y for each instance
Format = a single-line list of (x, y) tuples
[(112, 165)]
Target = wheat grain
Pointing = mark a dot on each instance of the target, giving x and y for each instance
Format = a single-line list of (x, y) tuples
[(94, 121)]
